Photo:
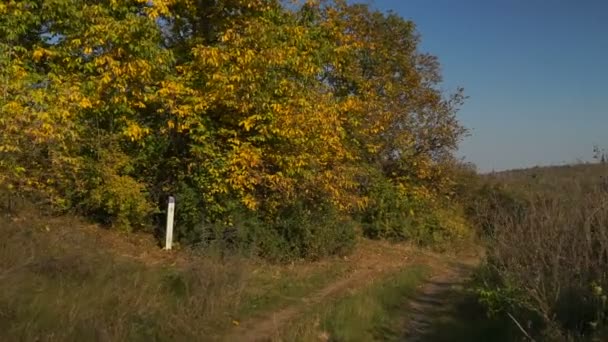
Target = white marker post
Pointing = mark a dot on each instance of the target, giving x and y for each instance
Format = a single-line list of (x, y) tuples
[(170, 213)]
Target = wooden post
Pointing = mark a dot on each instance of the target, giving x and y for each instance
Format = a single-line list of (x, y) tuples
[(169, 232)]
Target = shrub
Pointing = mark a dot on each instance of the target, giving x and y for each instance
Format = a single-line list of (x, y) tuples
[(314, 230), (439, 227), (111, 194), (296, 231), (122, 202), (489, 199), (396, 216), (299, 230), (388, 213), (189, 215)]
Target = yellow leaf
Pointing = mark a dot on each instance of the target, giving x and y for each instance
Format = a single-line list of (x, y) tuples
[(38, 54), (250, 202), (85, 103)]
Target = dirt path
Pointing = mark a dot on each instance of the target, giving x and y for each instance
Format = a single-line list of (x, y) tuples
[(434, 299), (367, 268), (261, 329)]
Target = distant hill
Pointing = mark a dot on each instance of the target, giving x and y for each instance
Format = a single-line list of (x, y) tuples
[(554, 178)]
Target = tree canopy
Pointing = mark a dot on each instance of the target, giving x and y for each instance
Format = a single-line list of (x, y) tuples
[(107, 107)]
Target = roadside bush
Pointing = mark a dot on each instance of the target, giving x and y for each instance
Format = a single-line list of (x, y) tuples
[(489, 199), (191, 227), (314, 230), (122, 202), (387, 215), (396, 216), (111, 194), (439, 227), (295, 231)]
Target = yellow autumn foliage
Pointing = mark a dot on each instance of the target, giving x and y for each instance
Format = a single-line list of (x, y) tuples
[(235, 103)]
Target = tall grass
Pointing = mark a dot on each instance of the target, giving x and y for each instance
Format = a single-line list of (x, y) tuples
[(547, 258), (64, 280), (58, 283)]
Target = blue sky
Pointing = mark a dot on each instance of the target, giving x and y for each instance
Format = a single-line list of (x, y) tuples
[(536, 72)]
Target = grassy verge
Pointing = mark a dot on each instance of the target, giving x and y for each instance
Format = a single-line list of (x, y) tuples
[(373, 313), (380, 313), (63, 280), (273, 287), (62, 283)]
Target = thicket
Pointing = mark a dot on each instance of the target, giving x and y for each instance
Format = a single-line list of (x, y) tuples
[(275, 126), (547, 254)]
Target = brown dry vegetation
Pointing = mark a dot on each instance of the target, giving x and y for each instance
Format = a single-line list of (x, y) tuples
[(63, 279), (547, 252), (547, 231)]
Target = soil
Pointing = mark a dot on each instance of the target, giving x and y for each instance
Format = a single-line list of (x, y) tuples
[(435, 298)]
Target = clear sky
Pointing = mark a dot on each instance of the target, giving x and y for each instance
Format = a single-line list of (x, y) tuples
[(536, 72)]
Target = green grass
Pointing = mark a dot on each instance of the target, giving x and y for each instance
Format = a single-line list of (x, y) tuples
[(271, 288), (380, 313), (373, 313)]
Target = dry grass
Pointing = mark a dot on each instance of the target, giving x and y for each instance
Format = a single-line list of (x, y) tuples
[(63, 281), (550, 246)]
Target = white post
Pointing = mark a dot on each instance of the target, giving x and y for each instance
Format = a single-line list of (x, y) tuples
[(170, 212)]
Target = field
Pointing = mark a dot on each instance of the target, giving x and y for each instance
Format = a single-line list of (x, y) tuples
[(64, 279), (546, 231)]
